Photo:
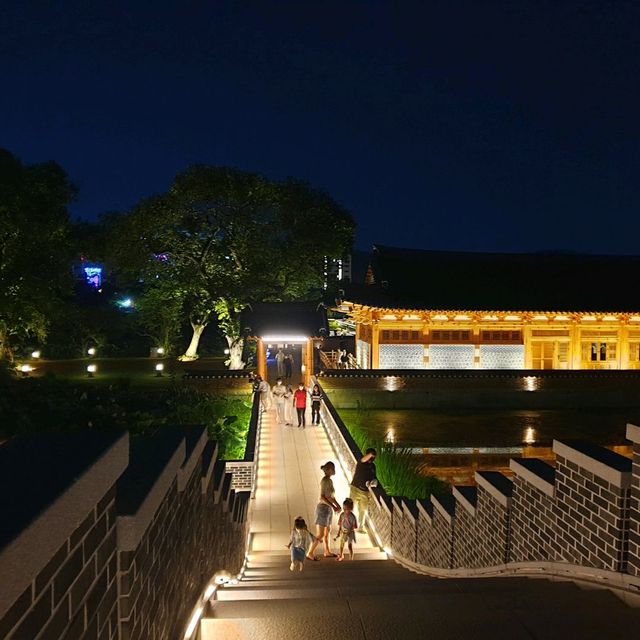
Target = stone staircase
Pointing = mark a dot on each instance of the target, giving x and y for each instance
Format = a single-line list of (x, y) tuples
[(374, 598)]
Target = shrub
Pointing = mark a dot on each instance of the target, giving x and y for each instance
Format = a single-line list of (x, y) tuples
[(400, 471)]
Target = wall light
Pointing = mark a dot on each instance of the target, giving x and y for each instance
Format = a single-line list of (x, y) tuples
[(530, 383), (530, 435), (280, 338)]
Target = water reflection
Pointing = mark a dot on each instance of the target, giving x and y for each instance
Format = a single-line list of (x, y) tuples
[(455, 444)]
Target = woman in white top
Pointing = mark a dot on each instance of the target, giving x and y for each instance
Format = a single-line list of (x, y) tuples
[(324, 512)]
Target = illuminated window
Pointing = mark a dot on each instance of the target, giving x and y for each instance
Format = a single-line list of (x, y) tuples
[(598, 351)]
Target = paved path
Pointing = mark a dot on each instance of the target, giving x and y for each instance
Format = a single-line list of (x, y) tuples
[(373, 598)]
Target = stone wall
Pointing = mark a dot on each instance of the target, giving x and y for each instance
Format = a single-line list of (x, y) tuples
[(500, 389), (633, 565), (584, 512), (111, 538)]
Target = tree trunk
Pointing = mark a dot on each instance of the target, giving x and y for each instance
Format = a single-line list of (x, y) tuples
[(235, 352), (192, 350)]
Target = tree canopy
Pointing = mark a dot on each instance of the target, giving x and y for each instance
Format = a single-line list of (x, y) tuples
[(35, 255), (224, 238)]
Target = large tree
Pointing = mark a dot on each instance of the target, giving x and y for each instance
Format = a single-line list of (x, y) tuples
[(224, 238), (35, 255)]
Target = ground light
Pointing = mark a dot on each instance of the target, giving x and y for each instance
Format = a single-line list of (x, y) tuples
[(91, 369), (159, 369), (26, 369)]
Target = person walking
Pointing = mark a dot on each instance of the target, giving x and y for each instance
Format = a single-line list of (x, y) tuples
[(300, 402), (288, 366), (324, 512), (300, 542), (363, 478), (279, 392), (347, 525), (288, 406), (280, 362), (265, 394), (316, 398)]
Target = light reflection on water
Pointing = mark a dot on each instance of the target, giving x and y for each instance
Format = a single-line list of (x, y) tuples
[(458, 443)]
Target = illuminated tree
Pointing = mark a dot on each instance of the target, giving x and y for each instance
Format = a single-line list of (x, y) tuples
[(224, 238), (35, 256)]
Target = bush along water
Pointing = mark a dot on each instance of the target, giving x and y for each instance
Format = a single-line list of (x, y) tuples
[(56, 404), (400, 471)]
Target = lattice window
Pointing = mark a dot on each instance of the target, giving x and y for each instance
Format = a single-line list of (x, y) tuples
[(501, 336), (401, 356), (362, 354), (451, 356), (502, 356), (450, 336)]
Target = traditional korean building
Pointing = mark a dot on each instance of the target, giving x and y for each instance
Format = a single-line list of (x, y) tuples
[(450, 310)]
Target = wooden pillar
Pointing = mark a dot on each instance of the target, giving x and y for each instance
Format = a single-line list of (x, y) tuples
[(575, 348), (262, 359), (375, 346), (623, 346), (526, 339), (307, 360)]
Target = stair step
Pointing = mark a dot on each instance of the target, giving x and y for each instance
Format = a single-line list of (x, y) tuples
[(255, 560), (309, 627)]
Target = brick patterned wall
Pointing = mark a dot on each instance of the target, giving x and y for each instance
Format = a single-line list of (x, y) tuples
[(570, 514), (465, 549), (243, 474), (532, 523), (381, 517), (435, 541), (189, 539), (592, 516), (404, 530), (345, 455), (74, 595), (633, 566), (492, 534)]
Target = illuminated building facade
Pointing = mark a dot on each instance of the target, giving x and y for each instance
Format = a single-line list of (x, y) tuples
[(446, 310)]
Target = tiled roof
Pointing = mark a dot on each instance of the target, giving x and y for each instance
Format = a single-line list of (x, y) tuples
[(417, 279)]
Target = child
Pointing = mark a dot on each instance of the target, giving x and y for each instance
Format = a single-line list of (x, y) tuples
[(347, 525), (299, 543)]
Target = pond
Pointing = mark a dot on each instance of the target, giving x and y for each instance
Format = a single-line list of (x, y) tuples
[(455, 443)]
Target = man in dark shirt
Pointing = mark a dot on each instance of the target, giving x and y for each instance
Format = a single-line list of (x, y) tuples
[(363, 478)]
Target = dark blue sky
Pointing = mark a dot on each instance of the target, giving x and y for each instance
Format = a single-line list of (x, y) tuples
[(508, 126)]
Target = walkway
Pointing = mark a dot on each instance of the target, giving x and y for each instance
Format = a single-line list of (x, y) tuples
[(373, 598)]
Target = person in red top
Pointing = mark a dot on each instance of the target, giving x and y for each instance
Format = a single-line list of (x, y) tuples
[(300, 403)]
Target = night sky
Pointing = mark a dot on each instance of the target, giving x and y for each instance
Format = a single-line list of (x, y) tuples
[(502, 126)]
